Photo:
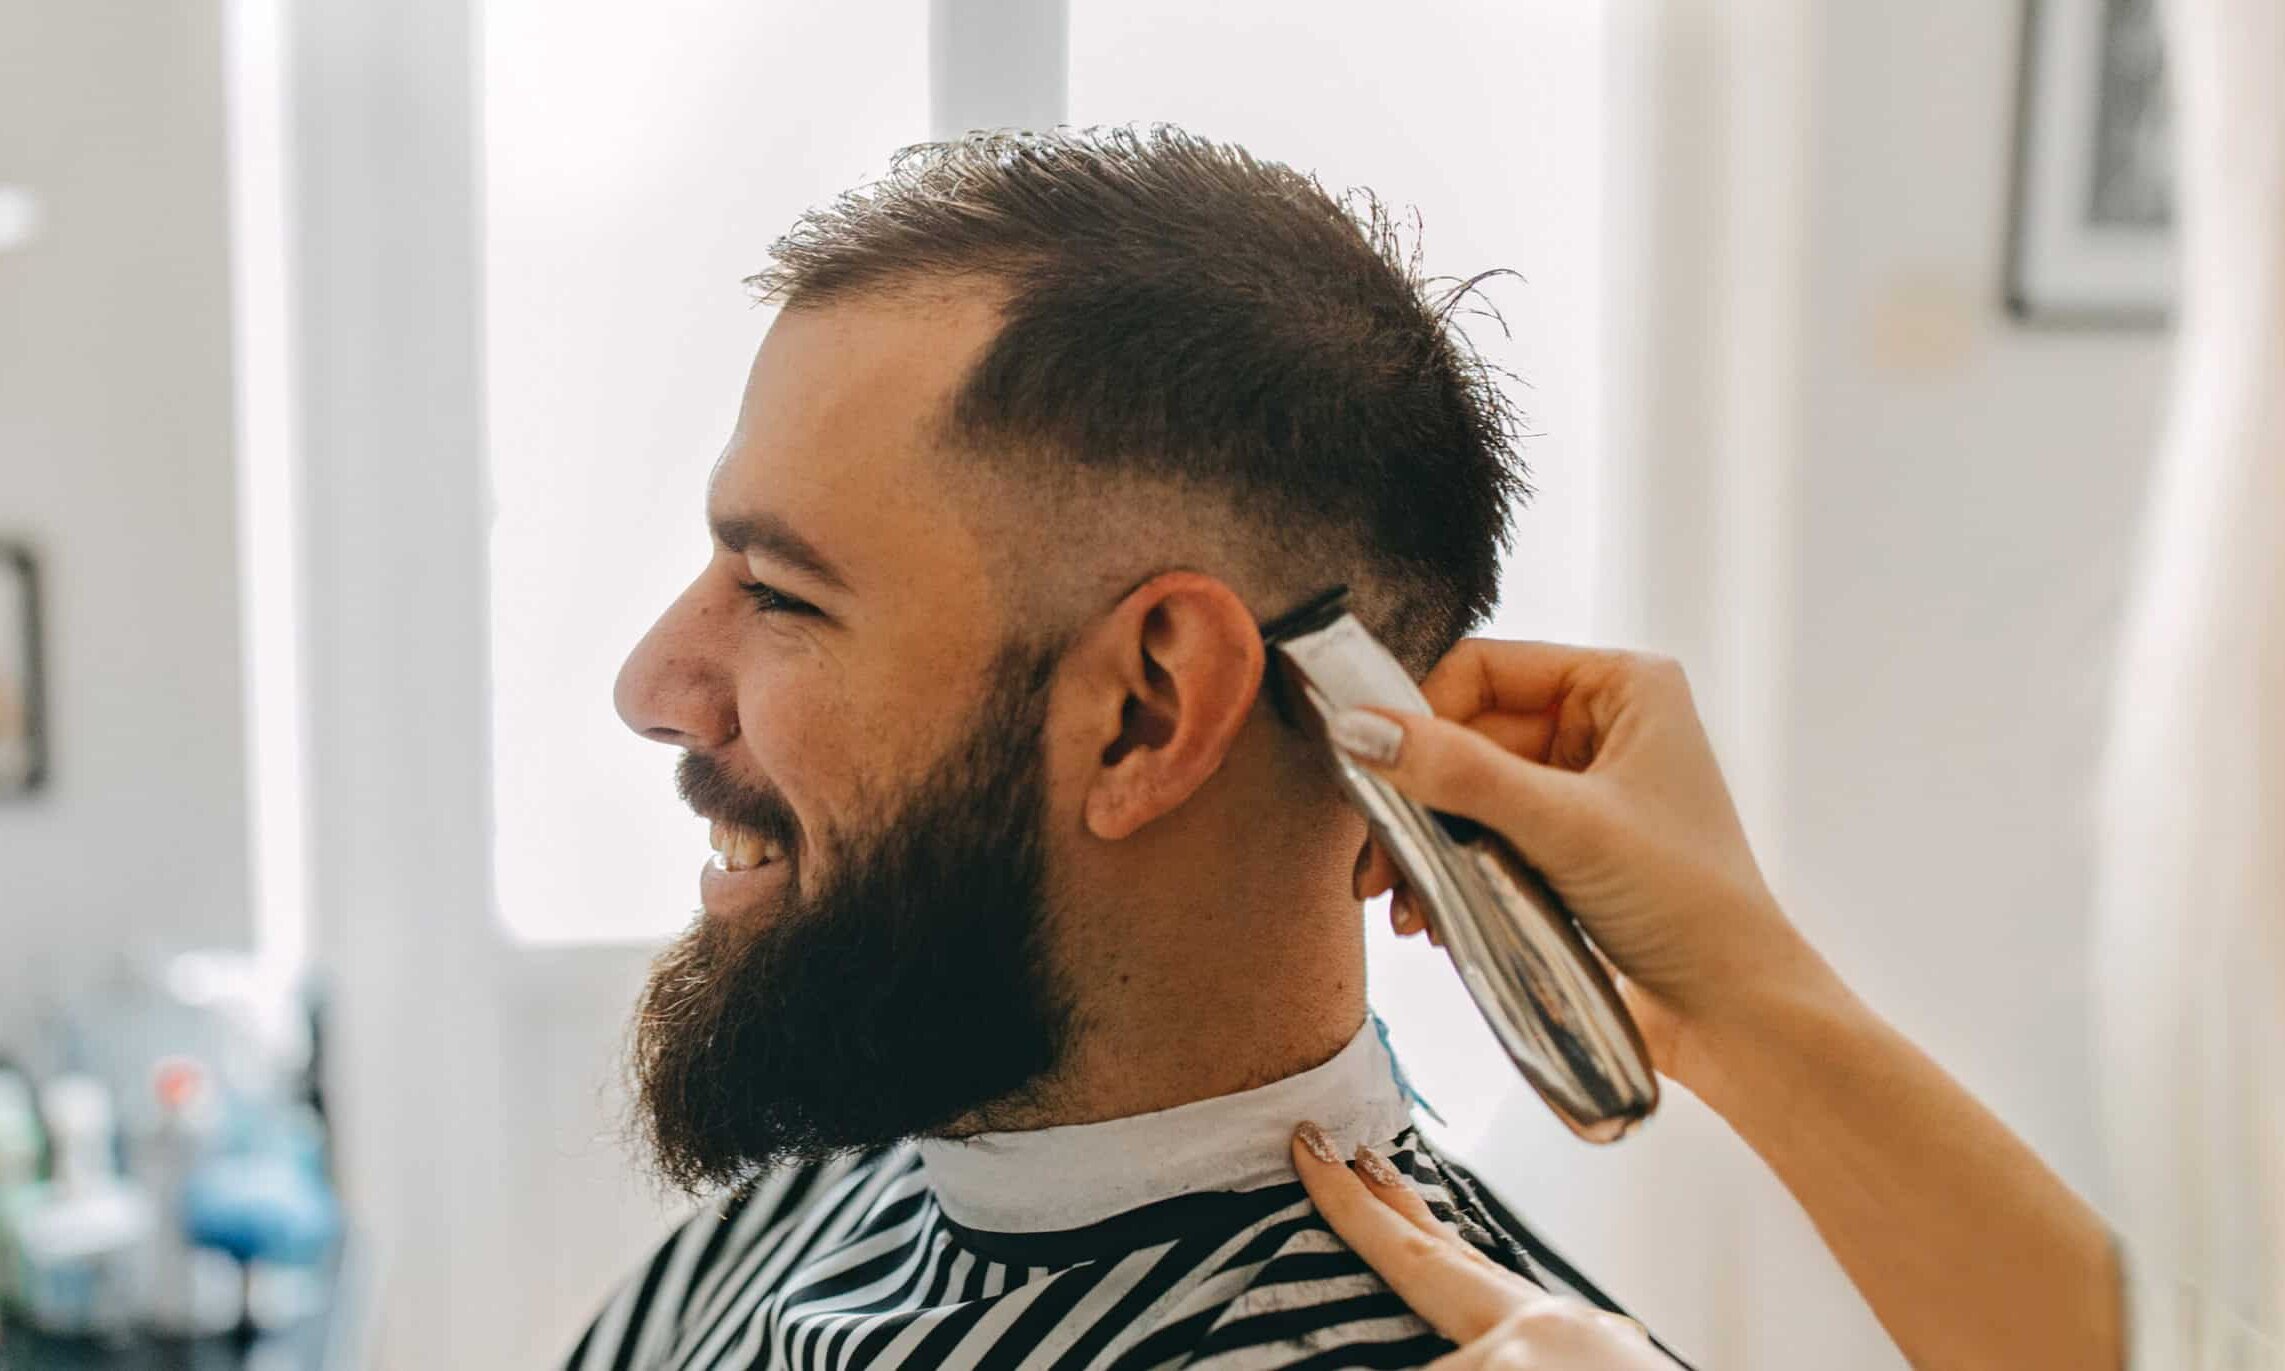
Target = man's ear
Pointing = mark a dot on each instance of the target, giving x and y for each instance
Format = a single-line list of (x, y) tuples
[(1172, 676)]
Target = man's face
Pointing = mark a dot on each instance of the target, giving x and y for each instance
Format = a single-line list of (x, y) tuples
[(860, 721)]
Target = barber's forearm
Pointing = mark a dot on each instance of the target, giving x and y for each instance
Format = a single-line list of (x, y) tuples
[(1971, 1252)]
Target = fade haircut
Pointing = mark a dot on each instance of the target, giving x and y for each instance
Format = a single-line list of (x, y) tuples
[(1179, 313)]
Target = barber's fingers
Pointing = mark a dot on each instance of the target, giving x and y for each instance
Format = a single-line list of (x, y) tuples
[(1559, 1334), (1495, 1351), (1404, 913), (1390, 1187), (1475, 1356), (1501, 676), (1502, 1321), (1548, 812), (1453, 1289), (1525, 735)]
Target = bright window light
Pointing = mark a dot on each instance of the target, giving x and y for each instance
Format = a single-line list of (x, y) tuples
[(638, 159), (269, 572)]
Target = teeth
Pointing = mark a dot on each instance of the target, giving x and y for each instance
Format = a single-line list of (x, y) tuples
[(741, 849)]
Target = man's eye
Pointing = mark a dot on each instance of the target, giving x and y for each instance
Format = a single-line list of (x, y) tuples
[(768, 599)]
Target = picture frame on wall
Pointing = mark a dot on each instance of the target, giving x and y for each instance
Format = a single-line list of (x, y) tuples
[(23, 724), (2092, 235)]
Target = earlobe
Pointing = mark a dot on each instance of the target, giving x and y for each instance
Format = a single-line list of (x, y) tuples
[(1112, 814), (1189, 658)]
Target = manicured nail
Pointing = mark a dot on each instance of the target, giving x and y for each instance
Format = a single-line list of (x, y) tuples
[(1377, 1168), (1357, 877), (1319, 1146), (1403, 914), (1367, 736)]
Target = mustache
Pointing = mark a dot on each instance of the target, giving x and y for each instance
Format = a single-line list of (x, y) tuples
[(707, 786)]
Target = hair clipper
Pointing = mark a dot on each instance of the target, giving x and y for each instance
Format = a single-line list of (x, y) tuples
[(1518, 950)]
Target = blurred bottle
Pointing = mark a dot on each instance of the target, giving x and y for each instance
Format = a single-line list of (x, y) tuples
[(79, 1245), (266, 1202), (189, 1290)]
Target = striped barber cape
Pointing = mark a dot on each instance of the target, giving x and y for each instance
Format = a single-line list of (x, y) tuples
[(1175, 1239)]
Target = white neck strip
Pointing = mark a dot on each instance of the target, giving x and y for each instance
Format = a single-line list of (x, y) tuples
[(1050, 1179)]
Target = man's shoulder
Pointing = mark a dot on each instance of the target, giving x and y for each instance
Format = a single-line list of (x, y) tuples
[(695, 1277), (1312, 1302), (1285, 1291)]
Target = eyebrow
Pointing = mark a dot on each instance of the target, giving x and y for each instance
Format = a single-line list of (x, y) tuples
[(772, 535)]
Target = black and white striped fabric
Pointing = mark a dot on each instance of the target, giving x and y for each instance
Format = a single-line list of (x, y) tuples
[(855, 1264)]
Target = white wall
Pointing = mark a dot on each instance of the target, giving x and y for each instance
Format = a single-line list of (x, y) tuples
[(1965, 502), (1966, 516), (115, 461)]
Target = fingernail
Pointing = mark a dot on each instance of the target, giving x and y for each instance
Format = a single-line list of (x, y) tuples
[(1367, 736), (1403, 916), (1318, 1145), (1357, 877), (1377, 1168)]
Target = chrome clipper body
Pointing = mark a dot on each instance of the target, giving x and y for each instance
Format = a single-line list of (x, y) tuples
[(1516, 947)]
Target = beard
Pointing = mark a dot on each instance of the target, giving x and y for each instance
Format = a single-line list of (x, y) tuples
[(911, 987)]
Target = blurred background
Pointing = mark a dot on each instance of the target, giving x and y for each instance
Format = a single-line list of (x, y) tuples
[(360, 366)]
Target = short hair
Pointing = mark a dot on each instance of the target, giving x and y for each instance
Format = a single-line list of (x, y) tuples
[(1178, 310)]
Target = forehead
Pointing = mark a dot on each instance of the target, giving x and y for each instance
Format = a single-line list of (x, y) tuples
[(837, 434)]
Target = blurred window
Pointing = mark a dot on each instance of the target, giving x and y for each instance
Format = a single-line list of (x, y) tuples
[(638, 159)]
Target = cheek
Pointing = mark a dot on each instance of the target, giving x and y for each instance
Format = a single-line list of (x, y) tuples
[(795, 734), (845, 734), (832, 746)]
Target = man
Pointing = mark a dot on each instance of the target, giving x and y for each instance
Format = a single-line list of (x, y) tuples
[(1030, 933)]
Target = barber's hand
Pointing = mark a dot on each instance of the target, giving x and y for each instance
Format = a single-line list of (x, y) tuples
[(1499, 1319), (1595, 766)]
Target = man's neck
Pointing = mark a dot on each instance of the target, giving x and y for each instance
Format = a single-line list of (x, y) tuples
[(1201, 997)]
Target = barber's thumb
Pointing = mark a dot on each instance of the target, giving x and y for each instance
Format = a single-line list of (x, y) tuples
[(1452, 767)]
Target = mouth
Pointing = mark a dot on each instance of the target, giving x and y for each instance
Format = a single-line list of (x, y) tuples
[(738, 848), (747, 868)]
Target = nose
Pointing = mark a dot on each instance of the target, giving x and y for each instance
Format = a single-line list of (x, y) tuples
[(676, 686)]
